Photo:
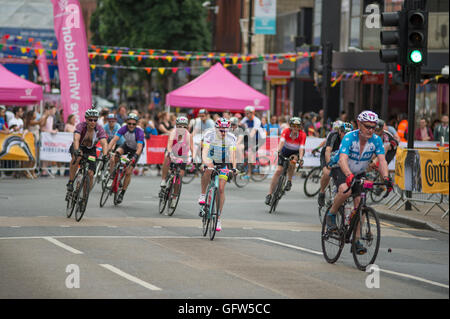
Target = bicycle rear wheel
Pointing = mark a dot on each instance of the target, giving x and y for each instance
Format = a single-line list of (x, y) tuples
[(189, 174), (260, 169), (214, 212), (83, 198), (333, 242), (311, 185), (173, 196), (368, 236)]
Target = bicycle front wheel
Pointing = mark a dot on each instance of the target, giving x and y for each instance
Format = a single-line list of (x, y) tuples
[(241, 179), (74, 196), (84, 196), (367, 236), (312, 182), (276, 196), (174, 196), (163, 197), (214, 212), (333, 241), (106, 190)]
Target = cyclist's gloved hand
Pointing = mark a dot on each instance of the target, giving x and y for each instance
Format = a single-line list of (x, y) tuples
[(349, 180), (77, 153), (389, 183)]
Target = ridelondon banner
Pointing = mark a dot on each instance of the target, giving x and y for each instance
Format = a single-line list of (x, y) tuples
[(73, 61), (424, 171)]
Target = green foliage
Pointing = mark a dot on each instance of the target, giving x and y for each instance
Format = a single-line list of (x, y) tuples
[(159, 24)]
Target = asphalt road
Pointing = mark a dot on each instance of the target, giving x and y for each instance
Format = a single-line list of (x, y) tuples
[(131, 251)]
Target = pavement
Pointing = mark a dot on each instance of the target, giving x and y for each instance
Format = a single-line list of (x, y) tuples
[(417, 219)]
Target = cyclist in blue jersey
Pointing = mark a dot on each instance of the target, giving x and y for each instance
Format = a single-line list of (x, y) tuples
[(355, 153), (132, 146)]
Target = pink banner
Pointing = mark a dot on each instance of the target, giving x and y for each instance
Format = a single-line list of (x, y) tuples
[(73, 61), (41, 62)]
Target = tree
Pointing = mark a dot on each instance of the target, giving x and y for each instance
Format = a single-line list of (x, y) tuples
[(157, 24)]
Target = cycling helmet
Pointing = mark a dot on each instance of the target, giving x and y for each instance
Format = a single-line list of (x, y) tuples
[(295, 121), (222, 123), (234, 120), (250, 109), (182, 121), (111, 116), (368, 116), (337, 125), (132, 116), (91, 113), (380, 124), (346, 127)]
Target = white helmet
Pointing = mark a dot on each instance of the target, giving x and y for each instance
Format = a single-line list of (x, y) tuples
[(250, 109), (337, 124), (368, 116), (182, 121)]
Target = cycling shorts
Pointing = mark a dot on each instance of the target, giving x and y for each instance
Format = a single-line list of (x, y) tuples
[(87, 151), (339, 178), (286, 153), (128, 151)]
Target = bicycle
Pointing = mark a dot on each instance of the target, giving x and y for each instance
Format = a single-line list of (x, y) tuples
[(281, 185), (311, 186), (114, 183), (77, 199), (333, 241), (100, 173), (210, 210), (260, 171), (192, 170), (377, 194), (330, 193), (168, 196)]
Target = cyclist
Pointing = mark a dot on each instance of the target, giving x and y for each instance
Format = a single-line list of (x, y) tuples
[(178, 147), (355, 153), (335, 128), (85, 137), (132, 146), (332, 145), (255, 135), (219, 148), (199, 126), (292, 143), (112, 127), (389, 142)]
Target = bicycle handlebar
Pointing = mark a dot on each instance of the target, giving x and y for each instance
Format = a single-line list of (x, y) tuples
[(367, 184)]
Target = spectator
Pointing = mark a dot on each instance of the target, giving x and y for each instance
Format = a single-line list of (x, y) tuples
[(3, 126), (58, 121), (226, 115), (343, 116), (172, 120), (403, 127), (435, 124), (273, 128), (9, 115), (16, 123), (70, 125), (33, 126), (310, 128), (164, 126), (423, 132), (264, 122), (102, 118), (441, 130), (48, 120), (283, 123), (122, 114)]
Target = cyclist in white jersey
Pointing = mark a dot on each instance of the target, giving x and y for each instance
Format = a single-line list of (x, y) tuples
[(355, 153), (219, 147)]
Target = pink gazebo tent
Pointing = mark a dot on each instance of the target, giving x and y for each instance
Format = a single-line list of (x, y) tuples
[(217, 89), (17, 91)]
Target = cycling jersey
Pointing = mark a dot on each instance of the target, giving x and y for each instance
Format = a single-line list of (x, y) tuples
[(90, 141), (219, 147), (334, 141), (132, 138), (358, 161), (293, 142), (180, 142)]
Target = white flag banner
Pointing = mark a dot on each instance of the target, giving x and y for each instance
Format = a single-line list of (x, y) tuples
[(55, 147)]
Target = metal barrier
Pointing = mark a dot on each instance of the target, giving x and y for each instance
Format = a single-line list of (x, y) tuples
[(16, 166)]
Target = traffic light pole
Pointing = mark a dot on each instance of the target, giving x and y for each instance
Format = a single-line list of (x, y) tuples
[(249, 42), (384, 106), (327, 51), (413, 71)]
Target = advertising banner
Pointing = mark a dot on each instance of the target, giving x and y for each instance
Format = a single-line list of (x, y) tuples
[(42, 65), (156, 146), (265, 17), (73, 62), (17, 147), (55, 147)]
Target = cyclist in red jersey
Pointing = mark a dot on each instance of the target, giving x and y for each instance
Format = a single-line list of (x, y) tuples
[(292, 142)]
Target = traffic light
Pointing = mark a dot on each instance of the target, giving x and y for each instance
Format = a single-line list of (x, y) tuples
[(417, 23), (395, 38)]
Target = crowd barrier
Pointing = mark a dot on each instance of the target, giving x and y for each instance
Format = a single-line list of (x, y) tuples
[(422, 175), (18, 153)]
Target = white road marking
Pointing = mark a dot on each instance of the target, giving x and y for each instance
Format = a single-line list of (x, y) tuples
[(130, 277), (65, 226), (56, 242), (157, 226), (15, 226), (415, 278), (60, 244), (247, 228)]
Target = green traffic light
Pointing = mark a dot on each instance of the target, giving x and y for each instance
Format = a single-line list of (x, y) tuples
[(416, 56)]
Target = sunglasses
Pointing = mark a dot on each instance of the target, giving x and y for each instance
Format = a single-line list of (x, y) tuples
[(369, 127), (296, 126), (223, 131), (92, 120), (132, 124)]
